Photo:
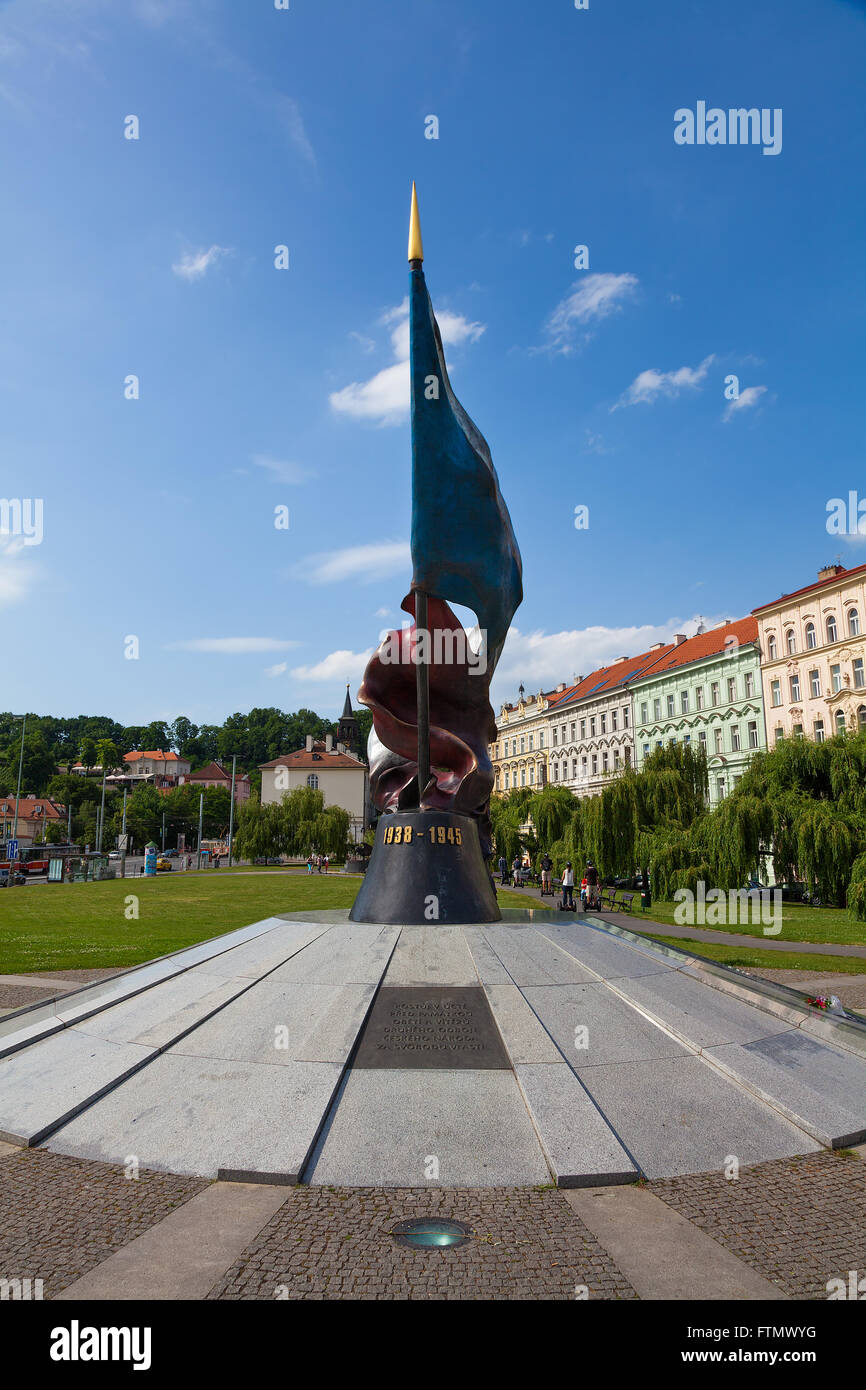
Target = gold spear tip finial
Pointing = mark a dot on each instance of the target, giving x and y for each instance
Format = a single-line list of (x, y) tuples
[(416, 246)]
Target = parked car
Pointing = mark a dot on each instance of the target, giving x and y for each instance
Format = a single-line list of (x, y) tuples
[(115, 854), (15, 878)]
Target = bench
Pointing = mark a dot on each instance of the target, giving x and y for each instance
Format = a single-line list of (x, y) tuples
[(608, 899), (626, 901)]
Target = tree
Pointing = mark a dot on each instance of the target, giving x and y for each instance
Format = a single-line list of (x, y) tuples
[(107, 755), (87, 753)]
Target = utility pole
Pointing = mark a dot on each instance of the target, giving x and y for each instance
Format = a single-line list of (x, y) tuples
[(200, 818), (123, 839), (69, 824), (232, 808), (20, 769), (101, 812), (163, 832)]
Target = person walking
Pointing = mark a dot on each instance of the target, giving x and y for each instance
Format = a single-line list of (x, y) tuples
[(568, 886), (325, 862), (503, 870), (515, 870), (546, 866), (309, 863)]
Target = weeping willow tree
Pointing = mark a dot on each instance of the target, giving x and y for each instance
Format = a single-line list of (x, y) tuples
[(299, 824), (551, 811), (828, 841), (857, 888), (507, 814), (737, 836)]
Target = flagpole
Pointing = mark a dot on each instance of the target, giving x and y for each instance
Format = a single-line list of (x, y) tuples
[(422, 668)]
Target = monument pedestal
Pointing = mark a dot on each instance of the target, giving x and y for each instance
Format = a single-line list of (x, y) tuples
[(426, 867)]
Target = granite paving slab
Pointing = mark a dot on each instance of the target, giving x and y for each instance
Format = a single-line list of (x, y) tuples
[(582, 1149), (490, 969), (592, 1027), (531, 959), (43, 1085), (256, 958), (679, 1115), (702, 1017), (431, 955), (355, 954), (159, 1016), (208, 1117), (276, 1023), (821, 1089), (525, 1037), (608, 956), (442, 1128)]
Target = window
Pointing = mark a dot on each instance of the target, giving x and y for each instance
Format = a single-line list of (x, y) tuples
[(687, 738), (853, 623), (506, 781), (684, 701), (721, 786), (592, 727), (613, 724), (699, 697), (717, 736), (530, 742), (749, 682), (627, 756), (644, 712), (523, 745), (574, 767), (811, 639), (594, 764), (779, 733), (836, 679), (562, 734), (771, 648), (532, 775), (573, 731), (702, 739), (794, 683), (556, 772), (840, 721), (790, 641), (861, 717), (735, 738), (514, 748), (604, 723), (646, 749), (815, 684), (313, 781), (818, 728), (555, 734), (583, 767), (776, 689), (671, 710), (831, 629), (541, 739), (604, 762), (714, 692), (657, 709), (625, 716), (859, 680), (523, 777), (583, 728), (753, 733)]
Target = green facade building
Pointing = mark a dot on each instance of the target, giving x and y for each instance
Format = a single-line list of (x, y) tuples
[(706, 692)]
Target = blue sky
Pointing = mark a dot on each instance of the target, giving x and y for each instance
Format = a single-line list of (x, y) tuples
[(262, 388)]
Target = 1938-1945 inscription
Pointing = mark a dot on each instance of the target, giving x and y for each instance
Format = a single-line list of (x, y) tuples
[(432, 1027)]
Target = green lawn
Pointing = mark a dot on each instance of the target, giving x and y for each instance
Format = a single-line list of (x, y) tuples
[(799, 923), (753, 958), (77, 926)]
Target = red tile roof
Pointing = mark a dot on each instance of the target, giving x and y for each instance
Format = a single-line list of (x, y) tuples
[(316, 760), (706, 644), (810, 588), (157, 755), (51, 810), (608, 678), (215, 772)]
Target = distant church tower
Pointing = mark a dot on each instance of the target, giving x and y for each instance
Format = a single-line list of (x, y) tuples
[(348, 731)]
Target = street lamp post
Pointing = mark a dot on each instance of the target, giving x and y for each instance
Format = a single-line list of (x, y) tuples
[(232, 808), (23, 718)]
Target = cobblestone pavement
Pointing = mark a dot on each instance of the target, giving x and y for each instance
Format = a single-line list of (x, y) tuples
[(59, 1216), (330, 1243), (799, 1221)]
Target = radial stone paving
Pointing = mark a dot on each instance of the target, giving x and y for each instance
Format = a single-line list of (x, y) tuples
[(588, 1056)]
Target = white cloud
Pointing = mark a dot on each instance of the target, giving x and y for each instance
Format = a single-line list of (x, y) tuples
[(649, 385), (593, 298), (363, 563), (273, 671), (194, 264), (232, 646), (337, 666), (744, 401), (384, 398), (17, 570), (594, 444), (382, 613), (366, 344), (282, 469), (542, 659)]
